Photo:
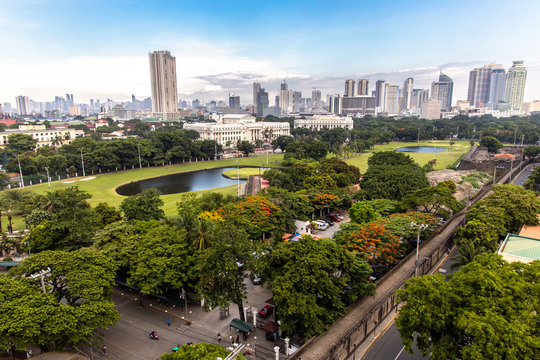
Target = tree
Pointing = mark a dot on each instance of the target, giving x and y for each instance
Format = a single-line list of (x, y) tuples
[(532, 151), (200, 351), (281, 142), (4, 180), (20, 143), (362, 212), (486, 310), (143, 206), (492, 144), (390, 158), (245, 146), (467, 253), (437, 199), (313, 281), (478, 233), (392, 182), (76, 302), (533, 181), (222, 269), (106, 214), (320, 182), (12, 203)]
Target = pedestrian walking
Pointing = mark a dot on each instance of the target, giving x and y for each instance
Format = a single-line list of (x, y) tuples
[(168, 321), (104, 349), (238, 339), (219, 337)]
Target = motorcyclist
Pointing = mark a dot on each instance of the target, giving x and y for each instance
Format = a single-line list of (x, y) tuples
[(153, 334)]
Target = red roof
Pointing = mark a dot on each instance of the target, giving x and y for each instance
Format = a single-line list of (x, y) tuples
[(8, 122)]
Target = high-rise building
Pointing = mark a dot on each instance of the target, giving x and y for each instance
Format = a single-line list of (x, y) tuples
[(23, 105), (479, 85), (284, 97), (497, 87), (418, 97), (234, 102), (515, 85), (391, 103), (442, 91), (316, 99), (163, 80), (334, 104), (380, 93), (256, 89), (297, 100), (262, 103), (349, 88), (406, 95), (363, 87)]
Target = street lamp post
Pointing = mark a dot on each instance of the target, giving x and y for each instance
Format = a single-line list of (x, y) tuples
[(82, 162), (20, 171), (48, 177), (139, 151), (420, 227)]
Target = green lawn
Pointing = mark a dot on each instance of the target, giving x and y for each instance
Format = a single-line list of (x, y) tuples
[(103, 186), (444, 159), (243, 173)]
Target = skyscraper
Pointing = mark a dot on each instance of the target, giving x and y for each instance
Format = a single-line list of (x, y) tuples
[(23, 105), (363, 87), (418, 97), (234, 102), (406, 95), (380, 93), (262, 103), (497, 87), (335, 104), (479, 85), (316, 99), (297, 99), (391, 103), (163, 80), (349, 88), (515, 85), (256, 89), (284, 96), (442, 91)]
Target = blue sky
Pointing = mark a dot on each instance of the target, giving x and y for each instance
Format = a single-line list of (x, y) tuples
[(99, 48)]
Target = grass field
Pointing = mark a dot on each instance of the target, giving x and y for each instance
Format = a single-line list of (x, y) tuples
[(102, 187), (443, 159), (243, 173)]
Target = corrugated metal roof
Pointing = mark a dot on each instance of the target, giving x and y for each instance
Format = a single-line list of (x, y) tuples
[(521, 246)]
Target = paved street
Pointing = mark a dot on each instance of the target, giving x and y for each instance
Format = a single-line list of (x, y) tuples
[(520, 180), (129, 338)]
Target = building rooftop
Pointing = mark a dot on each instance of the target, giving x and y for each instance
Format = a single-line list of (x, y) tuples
[(519, 248)]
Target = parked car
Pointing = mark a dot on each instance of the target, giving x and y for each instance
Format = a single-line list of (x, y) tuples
[(266, 311), (334, 217), (329, 222), (321, 225), (256, 279)]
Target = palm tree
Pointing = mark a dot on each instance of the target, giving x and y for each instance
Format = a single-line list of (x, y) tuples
[(12, 202), (204, 234), (467, 252)]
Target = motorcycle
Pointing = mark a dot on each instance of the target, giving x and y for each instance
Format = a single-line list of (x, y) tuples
[(154, 335)]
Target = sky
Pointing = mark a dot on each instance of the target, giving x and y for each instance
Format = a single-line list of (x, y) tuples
[(99, 49)]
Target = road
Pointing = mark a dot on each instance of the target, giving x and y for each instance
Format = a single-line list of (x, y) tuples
[(389, 345), (520, 180)]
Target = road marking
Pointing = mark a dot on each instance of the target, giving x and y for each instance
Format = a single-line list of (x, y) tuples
[(403, 348), (182, 328)]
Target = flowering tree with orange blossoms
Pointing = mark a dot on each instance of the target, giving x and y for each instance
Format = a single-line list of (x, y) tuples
[(380, 246), (321, 200), (257, 215)]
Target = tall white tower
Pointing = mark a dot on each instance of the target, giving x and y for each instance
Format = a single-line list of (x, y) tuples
[(163, 80), (515, 85)]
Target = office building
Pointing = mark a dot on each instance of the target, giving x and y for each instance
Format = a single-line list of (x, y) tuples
[(406, 95), (515, 85), (43, 136), (319, 122), (497, 87), (349, 88), (296, 100), (431, 109), (234, 102), (442, 91), (284, 98), (256, 89), (316, 99), (163, 80), (23, 105), (359, 106), (262, 103), (380, 93), (479, 85), (363, 87), (334, 104), (391, 103), (418, 97)]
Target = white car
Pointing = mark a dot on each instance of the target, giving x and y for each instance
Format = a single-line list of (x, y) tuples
[(321, 225)]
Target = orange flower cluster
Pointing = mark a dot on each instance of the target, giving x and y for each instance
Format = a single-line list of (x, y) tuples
[(377, 242)]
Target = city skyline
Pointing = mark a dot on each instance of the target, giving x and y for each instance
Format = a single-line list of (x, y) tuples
[(85, 49)]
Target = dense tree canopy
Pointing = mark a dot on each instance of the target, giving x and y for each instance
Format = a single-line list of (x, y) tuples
[(313, 281), (145, 205), (492, 144), (201, 351), (489, 309)]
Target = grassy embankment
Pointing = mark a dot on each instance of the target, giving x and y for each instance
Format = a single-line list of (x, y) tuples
[(444, 159)]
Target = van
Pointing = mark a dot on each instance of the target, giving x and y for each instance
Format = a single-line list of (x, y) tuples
[(321, 225)]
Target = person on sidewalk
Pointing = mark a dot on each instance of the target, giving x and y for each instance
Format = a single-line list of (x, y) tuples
[(104, 349), (219, 337), (168, 321), (238, 339)]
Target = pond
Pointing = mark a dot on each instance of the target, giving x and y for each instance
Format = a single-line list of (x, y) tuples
[(181, 182), (421, 149)]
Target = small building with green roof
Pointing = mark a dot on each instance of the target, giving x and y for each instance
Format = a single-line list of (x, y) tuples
[(519, 248)]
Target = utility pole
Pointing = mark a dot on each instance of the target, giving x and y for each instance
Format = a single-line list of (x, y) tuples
[(20, 171), (139, 150), (420, 227), (82, 162), (48, 177)]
